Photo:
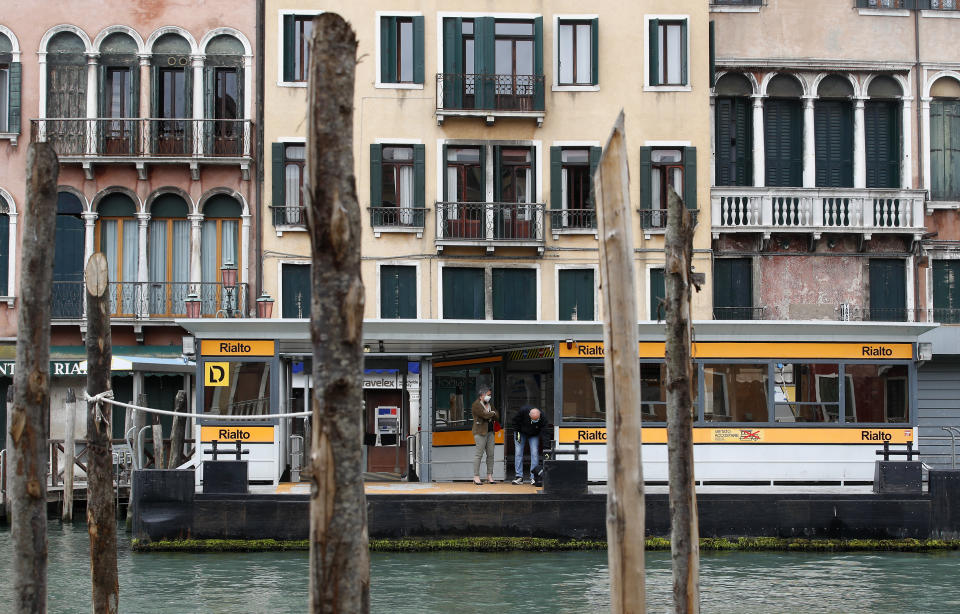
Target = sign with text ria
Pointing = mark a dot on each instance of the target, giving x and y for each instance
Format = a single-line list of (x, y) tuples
[(236, 347)]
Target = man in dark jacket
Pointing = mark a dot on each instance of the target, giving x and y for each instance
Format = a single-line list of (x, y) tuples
[(527, 423)]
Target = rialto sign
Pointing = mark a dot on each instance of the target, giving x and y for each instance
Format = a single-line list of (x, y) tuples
[(62, 368)]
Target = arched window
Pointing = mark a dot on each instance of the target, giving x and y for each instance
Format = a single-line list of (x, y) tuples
[(66, 93), (68, 258), (219, 250), (119, 95), (944, 140), (783, 132), (172, 96), (833, 133), (884, 132), (223, 96), (9, 88), (119, 241), (4, 244), (734, 131), (168, 255)]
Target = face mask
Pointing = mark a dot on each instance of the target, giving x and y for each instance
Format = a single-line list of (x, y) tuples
[(535, 420), (486, 399)]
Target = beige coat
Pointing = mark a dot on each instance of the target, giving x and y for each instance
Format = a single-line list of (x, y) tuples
[(482, 418)]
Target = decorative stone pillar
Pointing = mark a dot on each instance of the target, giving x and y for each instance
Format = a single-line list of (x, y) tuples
[(198, 88), (759, 159), (89, 225), (925, 155), (195, 272), (809, 144), (143, 111), (13, 242), (859, 145), (906, 123), (143, 275), (92, 107)]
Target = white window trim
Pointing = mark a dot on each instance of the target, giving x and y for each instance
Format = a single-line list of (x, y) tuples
[(280, 15), (379, 84), (647, 290), (646, 52), (488, 146), (289, 140), (488, 285), (397, 141), (940, 14), (564, 231), (9, 296), (413, 263), (280, 263), (667, 144), (469, 15), (596, 288), (717, 8), (556, 54), (881, 12), (7, 135)]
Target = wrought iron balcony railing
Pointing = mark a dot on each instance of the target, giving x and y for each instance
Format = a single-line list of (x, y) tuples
[(656, 219), (289, 216), (491, 223), (145, 137), (140, 300), (562, 220), (398, 217), (738, 313), (490, 92), (939, 5)]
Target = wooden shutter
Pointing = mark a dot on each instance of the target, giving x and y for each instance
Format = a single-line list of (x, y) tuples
[(783, 142), (463, 294), (945, 150), (419, 177), (595, 153), (946, 291), (833, 135), (398, 292), (575, 291), (690, 177), (14, 86), (514, 294), (657, 293), (556, 178), (388, 49), (734, 142), (653, 50), (713, 56), (376, 175), (538, 83), (733, 288), (289, 39), (4, 251), (453, 68), (646, 184), (882, 130), (279, 183), (594, 51), (684, 69), (418, 61), (888, 290), (484, 57), (296, 293)]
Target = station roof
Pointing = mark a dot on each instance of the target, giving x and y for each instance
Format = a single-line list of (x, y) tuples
[(445, 337)]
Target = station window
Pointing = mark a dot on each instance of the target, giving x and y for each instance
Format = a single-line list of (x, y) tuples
[(735, 393), (653, 391), (806, 392), (880, 393), (246, 391), (583, 393), (455, 391)]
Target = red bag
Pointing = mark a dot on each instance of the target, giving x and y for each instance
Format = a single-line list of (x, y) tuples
[(496, 427)]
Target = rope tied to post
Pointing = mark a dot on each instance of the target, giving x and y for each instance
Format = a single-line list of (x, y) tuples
[(98, 399), (107, 397)]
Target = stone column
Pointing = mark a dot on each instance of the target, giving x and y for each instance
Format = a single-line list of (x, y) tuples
[(12, 264), (195, 272), (906, 168), (143, 274), (146, 91), (809, 144), (859, 145), (198, 87), (759, 159), (89, 226), (925, 155), (92, 107)]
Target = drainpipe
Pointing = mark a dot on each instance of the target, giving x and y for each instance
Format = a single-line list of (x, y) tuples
[(918, 249), (260, 46)]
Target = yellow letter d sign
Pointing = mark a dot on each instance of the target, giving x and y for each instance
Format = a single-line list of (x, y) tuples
[(216, 374)]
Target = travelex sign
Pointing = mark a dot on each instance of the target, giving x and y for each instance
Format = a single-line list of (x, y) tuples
[(237, 347), (654, 435), (851, 351)]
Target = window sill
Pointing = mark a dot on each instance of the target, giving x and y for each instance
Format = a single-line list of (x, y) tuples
[(576, 88), (943, 205), (10, 136), (289, 228), (398, 86), (378, 230), (9, 300), (556, 232), (885, 12), (667, 88), (294, 84), (734, 9), (941, 14)]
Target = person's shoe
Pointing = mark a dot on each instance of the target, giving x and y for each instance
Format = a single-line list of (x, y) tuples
[(532, 481), (519, 480), (477, 481)]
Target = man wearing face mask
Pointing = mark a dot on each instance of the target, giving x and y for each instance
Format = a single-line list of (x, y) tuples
[(484, 416), (527, 423)]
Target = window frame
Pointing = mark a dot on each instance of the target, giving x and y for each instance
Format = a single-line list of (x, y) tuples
[(398, 263), (306, 13), (591, 20), (596, 288), (648, 82), (488, 286), (380, 83), (280, 264), (5, 103), (8, 286)]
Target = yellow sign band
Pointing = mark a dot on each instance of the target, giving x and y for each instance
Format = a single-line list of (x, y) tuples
[(750, 435), (231, 434), (811, 351), (236, 347)]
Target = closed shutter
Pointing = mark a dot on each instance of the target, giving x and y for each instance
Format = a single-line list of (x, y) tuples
[(653, 51), (882, 132), (945, 150), (833, 135), (289, 51), (463, 294), (66, 91), (418, 62), (13, 89), (4, 252), (419, 177), (594, 51), (888, 290), (783, 142), (376, 175), (278, 182), (713, 55), (453, 68), (646, 183), (658, 292), (398, 292), (684, 68), (690, 177), (68, 266), (733, 289), (296, 293), (576, 289), (946, 291), (556, 178), (388, 49), (734, 142), (538, 82), (484, 58), (514, 294), (595, 153)]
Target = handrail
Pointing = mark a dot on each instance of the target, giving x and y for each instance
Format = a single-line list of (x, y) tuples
[(954, 431)]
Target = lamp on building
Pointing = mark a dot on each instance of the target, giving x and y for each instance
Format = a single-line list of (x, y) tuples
[(228, 275), (265, 306), (192, 303)]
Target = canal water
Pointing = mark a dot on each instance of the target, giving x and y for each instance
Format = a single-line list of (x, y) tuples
[(464, 583)]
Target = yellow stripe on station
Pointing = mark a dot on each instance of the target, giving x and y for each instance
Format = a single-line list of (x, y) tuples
[(857, 351), (459, 438), (231, 434), (236, 347), (747, 435)]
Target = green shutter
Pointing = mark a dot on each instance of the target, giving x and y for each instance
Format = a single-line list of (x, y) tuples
[(154, 91), (514, 294), (376, 175), (833, 135), (463, 294), (13, 88), (594, 51), (732, 288), (734, 142), (135, 92), (556, 178), (654, 51), (783, 142), (279, 183), (595, 153), (938, 181), (102, 91), (945, 150), (418, 61), (289, 39), (398, 292), (453, 68), (575, 294), (713, 56), (882, 132), (419, 176), (484, 56), (539, 82), (946, 291), (658, 292), (646, 184), (684, 69), (296, 292), (888, 290), (388, 49), (690, 177), (4, 251)]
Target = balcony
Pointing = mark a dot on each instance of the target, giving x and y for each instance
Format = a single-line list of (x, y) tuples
[(141, 140), (397, 219), (490, 96), (654, 221), (294, 216), (816, 211), (490, 225), (573, 221), (137, 301), (738, 313)]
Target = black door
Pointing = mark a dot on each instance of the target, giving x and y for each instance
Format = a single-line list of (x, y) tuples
[(68, 259), (733, 289), (888, 290), (295, 296)]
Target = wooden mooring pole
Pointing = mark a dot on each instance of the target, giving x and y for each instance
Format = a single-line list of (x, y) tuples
[(31, 382), (625, 500), (69, 449), (339, 559), (101, 511), (178, 431)]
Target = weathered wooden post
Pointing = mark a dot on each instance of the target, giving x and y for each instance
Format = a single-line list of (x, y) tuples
[(69, 449), (178, 431), (625, 501), (7, 472), (140, 422), (339, 559), (31, 382), (684, 530), (101, 514), (157, 443)]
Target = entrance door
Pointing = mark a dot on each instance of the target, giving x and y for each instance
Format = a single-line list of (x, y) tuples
[(531, 386), (391, 455), (68, 259)]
